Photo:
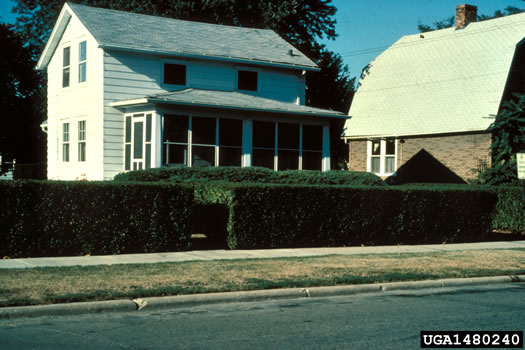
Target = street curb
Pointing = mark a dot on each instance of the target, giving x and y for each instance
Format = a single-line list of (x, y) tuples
[(162, 303)]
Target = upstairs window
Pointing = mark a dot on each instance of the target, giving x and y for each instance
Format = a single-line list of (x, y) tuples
[(174, 74), (82, 56), (247, 80), (66, 55)]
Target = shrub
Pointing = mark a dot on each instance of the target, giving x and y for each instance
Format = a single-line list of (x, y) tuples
[(183, 174), (39, 218), (510, 209), (279, 216)]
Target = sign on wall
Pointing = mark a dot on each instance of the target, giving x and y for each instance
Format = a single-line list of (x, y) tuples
[(520, 157)]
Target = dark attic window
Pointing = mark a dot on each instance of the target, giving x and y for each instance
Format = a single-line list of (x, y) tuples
[(174, 74), (247, 80)]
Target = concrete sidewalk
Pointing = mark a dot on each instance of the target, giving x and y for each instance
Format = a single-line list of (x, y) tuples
[(204, 255)]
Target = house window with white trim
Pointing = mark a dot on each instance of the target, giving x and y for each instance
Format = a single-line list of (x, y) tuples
[(66, 61), (82, 57), (382, 156), (65, 142), (82, 141)]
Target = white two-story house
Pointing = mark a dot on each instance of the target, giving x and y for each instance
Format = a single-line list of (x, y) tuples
[(129, 91)]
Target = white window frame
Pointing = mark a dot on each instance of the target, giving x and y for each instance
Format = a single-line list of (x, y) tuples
[(81, 153), (382, 156), (82, 62), (66, 67), (180, 63), (66, 133)]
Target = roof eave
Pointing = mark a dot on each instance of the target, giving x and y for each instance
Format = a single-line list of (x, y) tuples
[(52, 43), (276, 64), (425, 134), (150, 100)]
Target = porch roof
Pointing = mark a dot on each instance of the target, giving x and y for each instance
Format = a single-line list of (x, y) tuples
[(227, 100)]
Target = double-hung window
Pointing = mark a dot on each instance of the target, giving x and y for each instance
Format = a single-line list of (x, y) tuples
[(82, 57), (65, 142), (82, 141), (382, 156), (66, 61)]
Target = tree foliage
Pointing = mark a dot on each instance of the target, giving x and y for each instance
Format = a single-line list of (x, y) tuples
[(300, 22), (21, 99), (508, 130)]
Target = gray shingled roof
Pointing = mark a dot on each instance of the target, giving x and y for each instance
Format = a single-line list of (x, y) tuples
[(437, 82), (130, 31), (229, 100)]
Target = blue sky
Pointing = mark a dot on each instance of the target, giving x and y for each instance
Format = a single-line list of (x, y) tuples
[(367, 27)]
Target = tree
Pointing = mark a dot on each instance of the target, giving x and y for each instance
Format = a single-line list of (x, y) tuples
[(508, 130), (300, 22), (449, 22), (20, 98)]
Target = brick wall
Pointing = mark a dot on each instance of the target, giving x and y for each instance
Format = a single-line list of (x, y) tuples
[(357, 157), (460, 153)]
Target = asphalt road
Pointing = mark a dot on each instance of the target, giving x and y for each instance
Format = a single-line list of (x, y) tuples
[(388, 320)]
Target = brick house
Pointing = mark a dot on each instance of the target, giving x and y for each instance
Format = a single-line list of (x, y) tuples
[(423, 106)]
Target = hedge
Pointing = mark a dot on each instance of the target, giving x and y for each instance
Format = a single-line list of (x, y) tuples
[(509, 214), (281, 216), (39, 218), (182, 174)]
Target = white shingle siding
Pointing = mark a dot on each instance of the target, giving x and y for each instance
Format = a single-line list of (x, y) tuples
[(446, 81)]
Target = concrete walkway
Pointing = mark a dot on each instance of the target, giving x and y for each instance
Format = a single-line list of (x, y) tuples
[(203, 255)]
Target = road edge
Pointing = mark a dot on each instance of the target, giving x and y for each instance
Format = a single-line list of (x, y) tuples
[(178, 301)]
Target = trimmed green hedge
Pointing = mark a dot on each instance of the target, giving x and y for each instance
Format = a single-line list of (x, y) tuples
[(280, 216), (182, 174), (39, 218), (509, 214)]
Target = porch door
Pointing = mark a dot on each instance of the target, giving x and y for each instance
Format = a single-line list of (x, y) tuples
[(138, 143)]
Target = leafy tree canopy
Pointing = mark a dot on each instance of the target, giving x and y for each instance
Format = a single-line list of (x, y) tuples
[(20, 98)]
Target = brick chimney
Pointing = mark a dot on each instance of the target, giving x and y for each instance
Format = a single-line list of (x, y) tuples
[(465, 14)]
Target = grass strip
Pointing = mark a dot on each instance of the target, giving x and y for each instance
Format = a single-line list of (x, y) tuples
[(50, 285)]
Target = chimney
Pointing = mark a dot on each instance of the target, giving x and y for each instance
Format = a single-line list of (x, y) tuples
[(465, 14)]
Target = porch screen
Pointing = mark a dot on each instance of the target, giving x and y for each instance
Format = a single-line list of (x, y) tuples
[(175, 149), (230, 142), (312, 147), (203, 141), (263, 144), (288, 146)]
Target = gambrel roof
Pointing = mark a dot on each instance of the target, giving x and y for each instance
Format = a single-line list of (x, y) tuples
[(444, 81), (127, 31), (231, 100)]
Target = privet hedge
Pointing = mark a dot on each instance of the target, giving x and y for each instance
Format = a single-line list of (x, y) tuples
[(279, 216), (39, 218), (182, 174), (509, 214)]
